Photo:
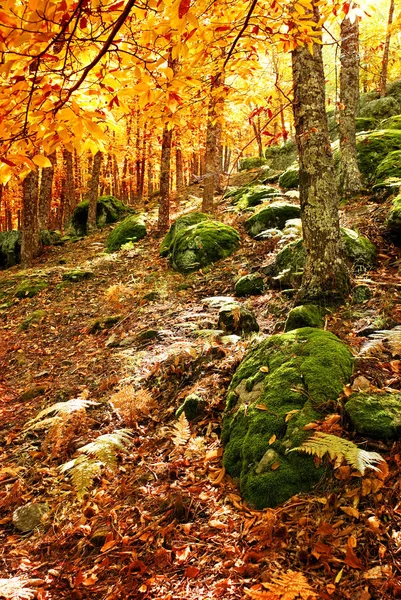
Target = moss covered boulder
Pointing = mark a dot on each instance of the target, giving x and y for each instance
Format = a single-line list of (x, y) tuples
[(234, 318), (393, 222), (273, 216), (365, 124), (282, 384), (132, 229), (290, 178), (77, 275), (381, 108), (373, 147), (193, 407), (250, 285), (36, 317), (376, 415), (390, 166), (202, 244), (391, 123), (281, 157), (254, 196), (359, 250), (181, 223), (108, 210), (306, 315), (384, 189), (253, 162), (10, 248), (30, 288)]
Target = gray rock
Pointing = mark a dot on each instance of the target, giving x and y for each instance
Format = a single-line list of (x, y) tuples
[(28, 517)]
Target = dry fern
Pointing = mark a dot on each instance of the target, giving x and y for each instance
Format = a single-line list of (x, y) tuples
[(116, 294), (291, 585), (338, 449), (196, 448), (14, 589), (132, 405), (58, 409), (182, 431), (102, 452), (65, 429)]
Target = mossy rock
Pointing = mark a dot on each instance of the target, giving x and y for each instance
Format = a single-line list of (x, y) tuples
[(77, 275), (31, 393), (366, 124), (250, 285), (235, 318), (50, 238), (381, 108), (181, 223), (132, 229), (290, 178), (361, 293), (252, 162), (282, 384), (30, 288), (385, 189), (367, 97), (306, 315), (254, 196), (393, 222), (376, 415), (102, 323), (281, 157), (33, 319), (391, 123), (292, 257), (10, 248), (389, 166), (202, 244), (394, 89), (108, 210), (274, 216), (193, 407), (372, 149), (359, 250)]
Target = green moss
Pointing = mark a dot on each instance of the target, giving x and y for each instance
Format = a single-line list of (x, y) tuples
[(252, 162), (292, 257), (50, 238), (307, 315), (281, 157), (31, 393), (193, 407), (297, 373), (394, 89), (250, 285), (359, 250), (381, 108), (108, 210), (391, 123), (10, 248), (273, 216), (365, 124), (30, 288), (202, 244), (377, 414), (366, 98), (385, 189), (235, 318), (373, 147), (290, 178), (181, 223), (361, 293), (77, 275), (131, 229), (254, 196), (393, 222), (33, 319), (102, 323), (389, 166)]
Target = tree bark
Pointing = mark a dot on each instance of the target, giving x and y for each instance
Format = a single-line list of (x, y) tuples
[(30, 228), (93, 192), (386, 52), (164, 202), (179, 172), (212, 155), (69, 185), (325, 276), (350, 176), (45, 193)]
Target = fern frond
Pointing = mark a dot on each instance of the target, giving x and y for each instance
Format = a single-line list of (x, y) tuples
[(337, 448), (131, 404), (102, 452), (14, 589), (286, 586), (261, 595), (196, 448), (182, 431), (59, 408)]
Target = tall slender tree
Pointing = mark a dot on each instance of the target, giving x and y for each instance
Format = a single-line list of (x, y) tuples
[(386, 51), (325, 277)]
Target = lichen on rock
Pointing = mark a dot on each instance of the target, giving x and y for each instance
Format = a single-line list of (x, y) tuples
[(281, 385)]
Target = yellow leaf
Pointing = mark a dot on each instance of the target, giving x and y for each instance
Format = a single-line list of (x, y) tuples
[(350, 511), (272, 439), (41, 161), (264, 369)]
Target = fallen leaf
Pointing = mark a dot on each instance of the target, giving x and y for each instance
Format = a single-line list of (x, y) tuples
[(352, 560), (191, 571)]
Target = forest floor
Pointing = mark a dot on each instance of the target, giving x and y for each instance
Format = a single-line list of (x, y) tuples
[(168, 523)]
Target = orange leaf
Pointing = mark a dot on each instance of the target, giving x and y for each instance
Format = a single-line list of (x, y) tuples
[(78, 579), (191, 572), (352, 560)]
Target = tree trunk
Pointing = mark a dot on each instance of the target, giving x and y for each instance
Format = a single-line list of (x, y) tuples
[(179, 173), (69, 185), (30, 228), (350, 176), (325, 276), (93, 192), (213, 137), (258, 135), (386, 52), (164, 202), (45, 193)]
